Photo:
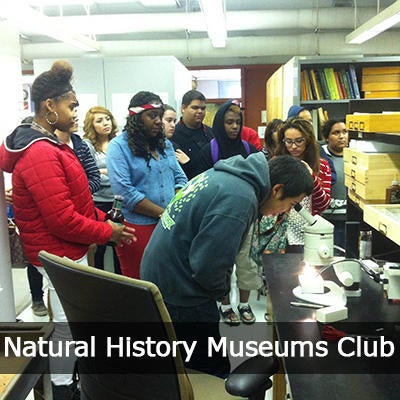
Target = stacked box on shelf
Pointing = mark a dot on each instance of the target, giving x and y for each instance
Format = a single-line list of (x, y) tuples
[(388, 122), (381, 82), (367, 175)]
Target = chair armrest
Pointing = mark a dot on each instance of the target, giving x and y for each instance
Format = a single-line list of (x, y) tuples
[(251, 376)]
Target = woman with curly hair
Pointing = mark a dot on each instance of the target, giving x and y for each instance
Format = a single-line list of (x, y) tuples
[(296, 138), (143, 169), (100, 127)]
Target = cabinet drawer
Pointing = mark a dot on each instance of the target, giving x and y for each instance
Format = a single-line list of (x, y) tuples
[(384, 218), (382, 123), (370, 191), (371, 160), (360, 201), (371, 176)]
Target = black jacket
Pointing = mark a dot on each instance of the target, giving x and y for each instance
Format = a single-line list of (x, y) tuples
[(190, 141)]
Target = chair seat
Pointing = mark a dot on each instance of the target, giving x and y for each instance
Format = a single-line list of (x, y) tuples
[(208, 387)]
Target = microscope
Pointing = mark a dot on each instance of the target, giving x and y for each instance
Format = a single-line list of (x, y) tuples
[(318, 251)]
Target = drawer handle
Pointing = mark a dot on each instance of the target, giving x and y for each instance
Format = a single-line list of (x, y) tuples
[(353, 174), (382, 228), (353, 187), (355, 125), (354, 160), (362, 126), (351, 125)]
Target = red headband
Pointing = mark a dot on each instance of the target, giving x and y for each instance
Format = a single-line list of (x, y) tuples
[(144, 107)]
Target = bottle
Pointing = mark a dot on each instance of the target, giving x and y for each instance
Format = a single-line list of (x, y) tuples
[(365, 247), (115, 214), (393, 193)]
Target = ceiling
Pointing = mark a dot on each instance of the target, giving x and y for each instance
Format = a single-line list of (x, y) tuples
[(259, 31)]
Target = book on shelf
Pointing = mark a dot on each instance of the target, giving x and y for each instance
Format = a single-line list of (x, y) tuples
[(307, 84), (312, 86), (326, 83), (348, 76), (319, 117), (329, 83), (354, 82), (344, 80), (335, 88), (341, 91), (316, 85), (303, 86)]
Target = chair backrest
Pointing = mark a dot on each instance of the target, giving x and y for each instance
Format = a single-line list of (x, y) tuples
[(104, 304)]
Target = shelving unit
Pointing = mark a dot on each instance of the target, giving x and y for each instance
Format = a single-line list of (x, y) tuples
[(284, 90), (381, 243), (284, 87)]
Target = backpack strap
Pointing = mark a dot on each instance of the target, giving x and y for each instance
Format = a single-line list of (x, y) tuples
[(214, 150), (246, 146)]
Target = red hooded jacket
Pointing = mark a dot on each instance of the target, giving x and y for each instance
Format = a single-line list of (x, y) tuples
[(52, 203)]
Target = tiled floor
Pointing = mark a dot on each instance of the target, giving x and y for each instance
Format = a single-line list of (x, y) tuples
[(243, 332)]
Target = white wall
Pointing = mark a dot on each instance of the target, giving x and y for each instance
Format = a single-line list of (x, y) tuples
[(11, 106), (112, 81)]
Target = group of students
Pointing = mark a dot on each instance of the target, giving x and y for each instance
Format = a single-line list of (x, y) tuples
[(201, 227)]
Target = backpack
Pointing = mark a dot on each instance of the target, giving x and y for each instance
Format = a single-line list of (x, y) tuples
[(214, 149)]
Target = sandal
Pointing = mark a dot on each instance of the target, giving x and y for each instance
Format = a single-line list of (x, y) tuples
[(246, 315), (229, 317)]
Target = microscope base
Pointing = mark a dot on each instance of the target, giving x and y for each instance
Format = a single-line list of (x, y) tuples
[(334, 297)]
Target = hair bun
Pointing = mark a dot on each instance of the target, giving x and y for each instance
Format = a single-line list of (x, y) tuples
[(62, 70)]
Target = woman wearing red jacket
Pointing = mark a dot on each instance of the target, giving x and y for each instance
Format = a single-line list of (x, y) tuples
[(52, 203)]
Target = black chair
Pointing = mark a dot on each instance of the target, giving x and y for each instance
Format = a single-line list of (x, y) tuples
[(110, 304)]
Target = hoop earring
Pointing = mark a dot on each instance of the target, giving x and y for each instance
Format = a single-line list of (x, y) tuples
[(47, 117)]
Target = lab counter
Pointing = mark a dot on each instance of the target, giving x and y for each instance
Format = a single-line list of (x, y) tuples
[(333, 377)]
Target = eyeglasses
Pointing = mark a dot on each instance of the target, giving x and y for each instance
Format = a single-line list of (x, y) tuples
[(298, 141)]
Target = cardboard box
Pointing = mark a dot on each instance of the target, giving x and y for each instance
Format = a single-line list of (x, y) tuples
[(360, 202), (371, 176), (379, 123), (375, 191), (371, 160), (384, 218)]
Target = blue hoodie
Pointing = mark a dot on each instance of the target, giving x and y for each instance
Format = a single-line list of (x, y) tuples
[(192, 250)]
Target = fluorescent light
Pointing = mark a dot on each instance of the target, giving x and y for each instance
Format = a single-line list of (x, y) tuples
[(214, 12), (26, 18), (158, 3), (382, 21)]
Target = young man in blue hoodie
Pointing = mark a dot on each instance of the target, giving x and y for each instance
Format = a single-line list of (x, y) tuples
[(191, 253)]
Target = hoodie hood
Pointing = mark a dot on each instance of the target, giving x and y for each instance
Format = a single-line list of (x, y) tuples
[(17, 142), (227, 147), (253, 169), (294, 111)]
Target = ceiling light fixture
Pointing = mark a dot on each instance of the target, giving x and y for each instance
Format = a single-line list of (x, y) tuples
[(215, 15), (25, 17), (376, 25), (158, 3)]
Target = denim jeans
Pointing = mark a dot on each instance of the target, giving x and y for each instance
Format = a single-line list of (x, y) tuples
[(199, 323)]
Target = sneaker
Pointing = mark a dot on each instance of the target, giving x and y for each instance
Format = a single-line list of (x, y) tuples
[(246, 315), (229, 317), (39, 309)]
